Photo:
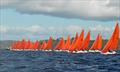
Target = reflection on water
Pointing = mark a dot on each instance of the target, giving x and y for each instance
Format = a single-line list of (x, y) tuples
[(38, 61)]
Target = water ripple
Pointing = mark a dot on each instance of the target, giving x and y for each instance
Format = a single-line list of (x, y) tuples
[(38, 61)]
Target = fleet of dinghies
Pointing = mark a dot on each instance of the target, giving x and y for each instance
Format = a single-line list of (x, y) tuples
[(80, 44)]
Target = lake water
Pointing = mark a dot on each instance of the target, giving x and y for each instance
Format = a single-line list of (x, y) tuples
[(39, 61)]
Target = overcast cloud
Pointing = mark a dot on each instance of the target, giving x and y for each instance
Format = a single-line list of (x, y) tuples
[(103, 10)]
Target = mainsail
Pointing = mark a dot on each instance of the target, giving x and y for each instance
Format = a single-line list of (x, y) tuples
[(112, 43), (27, 45), (78, 41), (49, 43), (94, 45), (67, 44), (97, 45), (43, 46), (36, 45), (31, 46), (73, 42), (60, 44), (85, 42)]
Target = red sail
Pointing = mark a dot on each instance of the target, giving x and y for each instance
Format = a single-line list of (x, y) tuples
[(36, 45), (60, 44), (49, 44), (31, 46), (115, 40), (73, 43), (86, 42), (107, 46), (23, 42), (80, 40), (27, 45), (43, 46), (75, 39), (67, 44), (18, 45), (94, 46), (112, 43), (99, 46)]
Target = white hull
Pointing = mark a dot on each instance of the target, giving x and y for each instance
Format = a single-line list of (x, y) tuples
[(94, 51), (113, 52), (82, 52), (47, 50)]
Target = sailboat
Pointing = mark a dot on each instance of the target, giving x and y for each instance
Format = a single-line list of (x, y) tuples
[(27, 45), (43, 46), (23, 42), (17, 46), (60, 45), (36, 45), (71, 49), (97, 45), (85, 43), (75, 39), (67, 44), (112, 44), (31, 47), (78, 42), (49, 44), (81, 38)]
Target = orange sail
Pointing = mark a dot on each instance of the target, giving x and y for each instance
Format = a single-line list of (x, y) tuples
[(18, 45), (75, 39), (67, 44), (94, 45), (86, 42), (36, 44), (119, 33), (78, 42), (107, 46), (31, 46), (60, 45), (43, 46), (23, 42), (49, 44), (73, 43), (27, 45), (115, 40), (112, 43), (99, 46)]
